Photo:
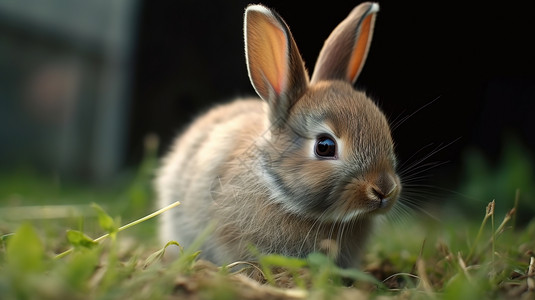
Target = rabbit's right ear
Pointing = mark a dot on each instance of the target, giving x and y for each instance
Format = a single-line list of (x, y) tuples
[(344, 52), (275, 66)]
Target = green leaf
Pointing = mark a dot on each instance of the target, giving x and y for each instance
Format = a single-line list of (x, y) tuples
[(4, 239), (293, 264), (319, 260), (283, 261), (79, 239), (185, 260), (79, 269), (322, 263), (104, 220), (25, 252), (160, 253), (459, 287)]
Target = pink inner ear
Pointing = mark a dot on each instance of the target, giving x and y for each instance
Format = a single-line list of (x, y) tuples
[(359, 51), (268, 51), (278, 69)]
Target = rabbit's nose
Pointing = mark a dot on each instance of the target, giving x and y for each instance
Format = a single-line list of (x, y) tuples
[(385, 186)]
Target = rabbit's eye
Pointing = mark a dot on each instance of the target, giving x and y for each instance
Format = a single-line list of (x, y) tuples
[(325, 147)]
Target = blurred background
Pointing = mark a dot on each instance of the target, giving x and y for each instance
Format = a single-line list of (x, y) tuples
[(82, 83)]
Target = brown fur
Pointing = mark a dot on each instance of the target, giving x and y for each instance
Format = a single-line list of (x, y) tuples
[(249, 167)]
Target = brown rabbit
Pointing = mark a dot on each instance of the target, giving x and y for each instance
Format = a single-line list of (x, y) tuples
[(304, 170)]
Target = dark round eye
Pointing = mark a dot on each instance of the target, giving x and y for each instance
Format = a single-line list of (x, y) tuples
[(325, 147)]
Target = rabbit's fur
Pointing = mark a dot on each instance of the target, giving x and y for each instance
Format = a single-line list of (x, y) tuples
[(252, 169)]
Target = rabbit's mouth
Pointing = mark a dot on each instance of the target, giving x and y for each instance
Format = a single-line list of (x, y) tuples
[(364, 198)]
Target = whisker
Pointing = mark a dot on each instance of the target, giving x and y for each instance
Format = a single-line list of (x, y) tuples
[(413, 206), (418, 188), (399, 213), (317, 223), (395, 120), (320, 227), (414, 154), (339, 241), (394, 126), (440, 147), (426, 166)]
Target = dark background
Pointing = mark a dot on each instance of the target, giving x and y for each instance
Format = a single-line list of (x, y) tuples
[(477, 61), (83, 83)]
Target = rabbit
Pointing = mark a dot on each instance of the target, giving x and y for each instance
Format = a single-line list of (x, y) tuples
[(306, 168)]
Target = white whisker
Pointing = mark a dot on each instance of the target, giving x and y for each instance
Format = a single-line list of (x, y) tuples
[(394, 126)]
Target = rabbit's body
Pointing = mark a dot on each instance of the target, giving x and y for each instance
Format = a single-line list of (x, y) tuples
[(305, 170)]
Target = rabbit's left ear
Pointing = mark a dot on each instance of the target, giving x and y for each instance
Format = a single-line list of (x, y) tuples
[(344, 52), (275, 66)]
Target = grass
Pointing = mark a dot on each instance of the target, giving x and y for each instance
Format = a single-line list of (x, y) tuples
[(50, 252)]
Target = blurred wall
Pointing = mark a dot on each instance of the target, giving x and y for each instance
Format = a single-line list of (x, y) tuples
[(65, 84)]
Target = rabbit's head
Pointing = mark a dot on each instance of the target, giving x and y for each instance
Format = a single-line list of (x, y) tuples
[(328, 153)]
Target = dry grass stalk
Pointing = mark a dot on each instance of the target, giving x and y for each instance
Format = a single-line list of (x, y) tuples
[(531, 275)]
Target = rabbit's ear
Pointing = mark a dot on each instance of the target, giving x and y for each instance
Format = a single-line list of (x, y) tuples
[(275, 66), (344, 52)]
